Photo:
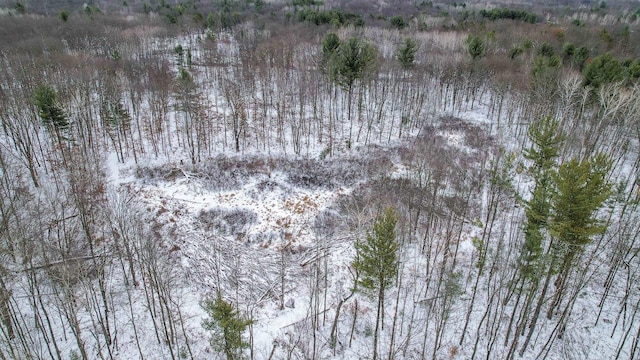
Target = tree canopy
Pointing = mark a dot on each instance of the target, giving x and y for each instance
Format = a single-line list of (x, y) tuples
[(351, 61), (406, 53), (601, 70), (46, 99), (227, 326), (376, 260), (475, 47)]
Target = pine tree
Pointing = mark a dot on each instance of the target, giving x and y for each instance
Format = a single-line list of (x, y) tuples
[(352, 60), (475, 47), (546, 142), (581, 190), (227, 326), (329, 44), (601, 70), (45, 98), (544, 151), (377, 262), (406, 53)]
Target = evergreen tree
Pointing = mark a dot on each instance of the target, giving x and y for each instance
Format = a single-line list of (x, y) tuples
[(475, 47), (227, 326), (546, 69), (377, 262), (406, 53), (52, 116), (64, 15), (602, 70), (398, 22), (546, 141), (568, 50), (581, 190), (580, 57), (352, 60), (329, 44), (546, 50)]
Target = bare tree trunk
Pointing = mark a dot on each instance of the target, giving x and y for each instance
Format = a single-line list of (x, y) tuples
[(395, 318), (375, 332)]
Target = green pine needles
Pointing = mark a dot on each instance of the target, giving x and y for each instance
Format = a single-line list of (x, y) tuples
[(565, 199), (406, 53), (227, 327), (475, 47), (546, 141), (376, 262), (345, 62), (46, 100), (581, 190), (561, 219)]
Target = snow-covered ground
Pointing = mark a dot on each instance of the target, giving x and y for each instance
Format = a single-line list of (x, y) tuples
[(270, 222)]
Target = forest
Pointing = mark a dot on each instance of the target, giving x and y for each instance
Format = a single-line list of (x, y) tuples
[(307, 179)]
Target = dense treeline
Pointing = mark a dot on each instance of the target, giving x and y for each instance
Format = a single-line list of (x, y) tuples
[(487, 186), (511, 14), (333, 17)]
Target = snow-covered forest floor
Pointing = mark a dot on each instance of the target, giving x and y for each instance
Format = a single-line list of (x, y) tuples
[(146, 171)]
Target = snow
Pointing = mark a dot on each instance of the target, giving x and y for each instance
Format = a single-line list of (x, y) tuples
[(282, 210), (257, 243), (284, 219)]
